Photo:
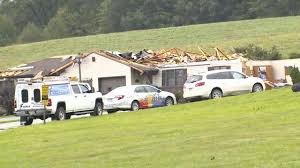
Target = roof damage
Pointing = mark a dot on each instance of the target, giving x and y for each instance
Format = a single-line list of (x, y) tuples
[(145, 61)]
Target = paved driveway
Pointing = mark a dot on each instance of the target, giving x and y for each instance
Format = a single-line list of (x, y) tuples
[(12, 125)]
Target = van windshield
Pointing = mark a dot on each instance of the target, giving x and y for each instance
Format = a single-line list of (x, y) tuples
[(58, 90), (194, 78)]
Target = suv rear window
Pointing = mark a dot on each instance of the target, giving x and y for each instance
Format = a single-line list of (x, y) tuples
[(58, 90), (194, 78), (37, 95), (24, 93)]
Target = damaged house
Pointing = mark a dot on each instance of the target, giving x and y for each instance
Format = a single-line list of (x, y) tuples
[(36, 69), (167, 69)]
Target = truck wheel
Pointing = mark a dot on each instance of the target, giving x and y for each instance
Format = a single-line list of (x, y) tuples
[(60, 114), (98, 110), (26, 120)]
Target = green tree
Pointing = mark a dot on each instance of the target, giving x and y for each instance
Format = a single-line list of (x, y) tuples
[(7, 31), (31, 33), (57, 27)]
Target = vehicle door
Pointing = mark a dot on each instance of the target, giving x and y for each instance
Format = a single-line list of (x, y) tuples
[(222, 80), (240, 84), (36, 97), (87, 98), (154, 97), (24, 94), (141, 95), (78, 99), (62, 92)]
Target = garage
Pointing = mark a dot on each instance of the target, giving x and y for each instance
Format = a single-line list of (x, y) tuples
[(108, 84)]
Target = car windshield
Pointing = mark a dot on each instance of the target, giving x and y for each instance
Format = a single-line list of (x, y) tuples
[(194, 78), (58, 90)]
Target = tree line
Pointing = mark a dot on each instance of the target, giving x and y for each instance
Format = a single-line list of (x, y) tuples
[(24, 21)]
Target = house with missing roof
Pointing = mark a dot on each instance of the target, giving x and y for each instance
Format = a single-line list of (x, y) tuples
[(108, 71)]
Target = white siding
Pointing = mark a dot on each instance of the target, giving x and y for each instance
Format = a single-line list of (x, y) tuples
[(278, 66), (101, 68)]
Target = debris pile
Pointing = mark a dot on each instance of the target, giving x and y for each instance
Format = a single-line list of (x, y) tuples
[(171, 56)]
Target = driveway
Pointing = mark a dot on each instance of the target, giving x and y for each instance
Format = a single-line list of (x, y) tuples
[(16, 124)]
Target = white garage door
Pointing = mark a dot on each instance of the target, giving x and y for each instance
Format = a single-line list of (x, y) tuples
[(108, 84)]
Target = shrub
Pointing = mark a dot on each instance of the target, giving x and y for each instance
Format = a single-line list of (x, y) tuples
[(254, 52), (294, 55), (295, 75)]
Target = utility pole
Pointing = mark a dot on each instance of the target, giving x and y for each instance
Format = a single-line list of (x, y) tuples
[(78, 61)]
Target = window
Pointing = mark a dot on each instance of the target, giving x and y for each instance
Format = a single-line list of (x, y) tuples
[(58, 90), (150, 89), (24, 96), (37, 95), (84, 89), (76, 89), (224, 75), (174, 77), (218, 68), (140, 89), (237, 75), (221, 75), (212, 76), (194, 78)]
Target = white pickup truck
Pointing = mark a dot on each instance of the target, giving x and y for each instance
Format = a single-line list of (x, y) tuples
[(65, 99)]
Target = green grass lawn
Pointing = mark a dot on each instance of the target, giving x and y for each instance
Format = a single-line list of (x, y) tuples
[(255, 130), (283, 32)]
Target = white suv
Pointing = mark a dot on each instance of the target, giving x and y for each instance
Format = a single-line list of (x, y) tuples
[(216, 84)]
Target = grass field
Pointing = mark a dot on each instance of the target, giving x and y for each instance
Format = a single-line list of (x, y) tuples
[(283, 32), (255, 130)]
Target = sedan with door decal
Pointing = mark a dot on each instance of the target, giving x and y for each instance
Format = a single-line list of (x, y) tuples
[(137, 97)]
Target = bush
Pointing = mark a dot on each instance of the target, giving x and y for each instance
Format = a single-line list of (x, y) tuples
[(295, 75), (294, 55), (258, 53)]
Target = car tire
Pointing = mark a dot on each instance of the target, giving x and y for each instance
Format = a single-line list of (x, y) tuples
[(98, 110), (60, 114), (216, 94), (169, 101), (135, 106), (26, 121), (257, 88)]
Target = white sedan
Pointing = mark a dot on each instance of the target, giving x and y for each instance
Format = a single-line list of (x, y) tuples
[(216, 84), (137, 97)]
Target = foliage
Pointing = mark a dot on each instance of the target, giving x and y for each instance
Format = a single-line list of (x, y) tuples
[(223, 35), (254, 130), (104, 16), (295, 75), (31, 33), (7, 31), (294, 55), (254, 52)]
